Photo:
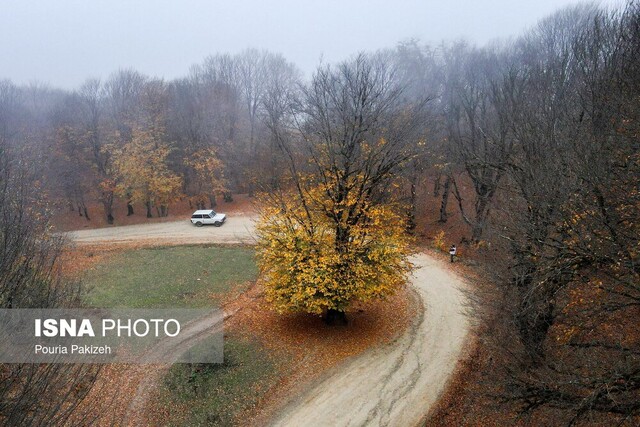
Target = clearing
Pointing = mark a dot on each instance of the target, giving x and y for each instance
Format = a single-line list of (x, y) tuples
[(396, 384)]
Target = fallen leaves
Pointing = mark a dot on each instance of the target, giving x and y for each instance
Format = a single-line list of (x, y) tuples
[(306, 347)]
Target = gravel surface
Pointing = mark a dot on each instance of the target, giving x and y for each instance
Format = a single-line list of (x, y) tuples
[(237, 229)]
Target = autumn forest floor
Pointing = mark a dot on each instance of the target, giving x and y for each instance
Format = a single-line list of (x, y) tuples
[(266, 354), (297, 348), (293, 349)]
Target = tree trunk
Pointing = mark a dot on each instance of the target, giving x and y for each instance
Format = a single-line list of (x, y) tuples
[(212, 201), (445, 200), (129, 208), (411, 212), (333, 316), (107, 203), (482, 212), (534, 316), (436, 186), (148, 205)]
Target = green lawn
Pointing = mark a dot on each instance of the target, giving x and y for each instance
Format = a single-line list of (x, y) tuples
[(169, 277), (191, 277), (217, 395)]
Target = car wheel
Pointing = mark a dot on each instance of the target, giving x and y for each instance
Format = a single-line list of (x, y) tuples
[(217, 223), (198, 224)]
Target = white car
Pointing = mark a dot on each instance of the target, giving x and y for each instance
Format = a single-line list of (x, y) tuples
[(202, 217)]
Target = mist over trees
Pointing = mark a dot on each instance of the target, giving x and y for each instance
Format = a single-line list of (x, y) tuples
[(150, 142), (30, 277), (543, 129)]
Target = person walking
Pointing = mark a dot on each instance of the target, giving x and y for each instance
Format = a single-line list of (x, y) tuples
[(453, 251)]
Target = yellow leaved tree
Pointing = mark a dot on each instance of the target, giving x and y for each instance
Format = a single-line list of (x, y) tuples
[(143, 174), (332, 234), (208, 179), (306, 268)]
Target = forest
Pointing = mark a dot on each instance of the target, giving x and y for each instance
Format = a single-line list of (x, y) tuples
[(535, 142)]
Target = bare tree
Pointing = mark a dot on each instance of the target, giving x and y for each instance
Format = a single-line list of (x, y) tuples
[(479, 89), (39, 395), (569, 219)]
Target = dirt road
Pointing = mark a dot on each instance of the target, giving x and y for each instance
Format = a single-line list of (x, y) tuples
[(237, 229), (394, 385)]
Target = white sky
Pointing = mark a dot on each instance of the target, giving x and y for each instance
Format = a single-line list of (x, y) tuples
[(62, 42)]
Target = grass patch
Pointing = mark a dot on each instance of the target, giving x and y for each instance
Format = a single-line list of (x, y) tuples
[(216, 394), (167, 277), (170, 277)]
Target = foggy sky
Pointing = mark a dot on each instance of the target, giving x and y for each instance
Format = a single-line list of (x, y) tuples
[(64, 42)]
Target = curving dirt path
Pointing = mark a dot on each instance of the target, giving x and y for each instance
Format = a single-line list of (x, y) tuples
[(397, 384), (192, 334), (393, 385)]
